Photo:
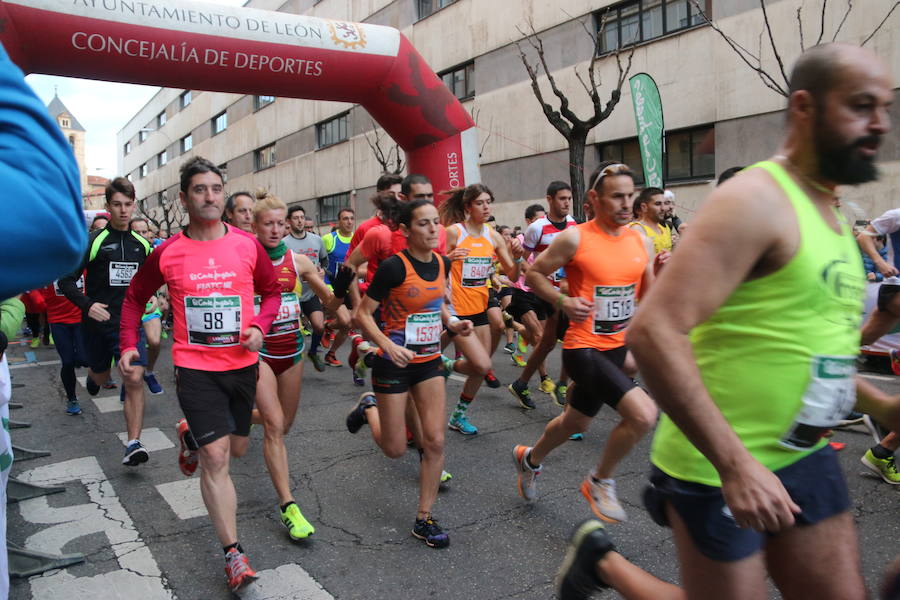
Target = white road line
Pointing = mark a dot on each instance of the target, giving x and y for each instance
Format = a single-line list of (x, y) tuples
[(458, 377), (153, 439), (183, 497), (284, 583), (108, 404), (43, 363), (879, 377), (138, 576)]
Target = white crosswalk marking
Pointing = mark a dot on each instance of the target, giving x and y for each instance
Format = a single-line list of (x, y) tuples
[(153, 439), (287, 582), (183, 497), (108, 404), (139, 575)]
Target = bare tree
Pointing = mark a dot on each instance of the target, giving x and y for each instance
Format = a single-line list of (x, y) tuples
[(476, 115), (778, 81), (564, 120), (390, 161), (167, 216)]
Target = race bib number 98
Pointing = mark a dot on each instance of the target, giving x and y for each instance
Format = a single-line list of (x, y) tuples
[(423, 333), (213, 320), (613, 308)]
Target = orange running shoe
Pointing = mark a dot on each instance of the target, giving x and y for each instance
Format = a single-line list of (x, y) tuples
[(237, 570), (187, 458)]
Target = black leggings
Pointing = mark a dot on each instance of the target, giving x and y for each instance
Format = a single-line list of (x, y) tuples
[(598, 378)]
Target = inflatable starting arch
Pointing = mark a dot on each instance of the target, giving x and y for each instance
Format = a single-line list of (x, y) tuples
[(202, 46)]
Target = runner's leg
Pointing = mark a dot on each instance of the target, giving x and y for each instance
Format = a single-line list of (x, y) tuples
[(431, 405), (817, 561), (638, 414), (274, 451), (217, 488), (703, 578)]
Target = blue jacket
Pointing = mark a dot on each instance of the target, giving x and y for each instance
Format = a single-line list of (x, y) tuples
[(42, 232)]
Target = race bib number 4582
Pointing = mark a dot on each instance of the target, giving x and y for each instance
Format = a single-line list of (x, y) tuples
[(213, 320)]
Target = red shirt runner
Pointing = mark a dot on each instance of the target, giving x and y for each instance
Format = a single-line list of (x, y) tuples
[(211, 287)]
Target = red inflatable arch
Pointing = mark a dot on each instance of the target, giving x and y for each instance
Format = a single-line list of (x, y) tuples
[(195, 45)]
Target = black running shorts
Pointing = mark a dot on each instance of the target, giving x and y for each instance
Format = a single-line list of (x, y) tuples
[(217, 404), (598, 377)]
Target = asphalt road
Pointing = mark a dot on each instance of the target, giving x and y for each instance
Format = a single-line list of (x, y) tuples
[(144, 533)]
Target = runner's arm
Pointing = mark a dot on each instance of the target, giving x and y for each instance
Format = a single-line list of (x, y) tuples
[(266, 285), (866, 241), (721, 252), (556, 256), (144, 284), (69, 288), (510, 265), (40, 179), (307, 270)]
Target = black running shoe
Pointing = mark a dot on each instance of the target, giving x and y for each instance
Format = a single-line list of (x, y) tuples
[(427, 529), (91, 386), (357, 417), (520, 391), (577, 577), (491, 380)]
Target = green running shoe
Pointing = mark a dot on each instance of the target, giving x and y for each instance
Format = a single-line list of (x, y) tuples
[(559, 394), (885, 468), (298, 527)]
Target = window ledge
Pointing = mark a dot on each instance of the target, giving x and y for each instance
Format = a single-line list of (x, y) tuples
[(434, 12), (331, 145), (653, 40)]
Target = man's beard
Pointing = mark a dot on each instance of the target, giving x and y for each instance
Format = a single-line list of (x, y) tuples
[(843, 163)]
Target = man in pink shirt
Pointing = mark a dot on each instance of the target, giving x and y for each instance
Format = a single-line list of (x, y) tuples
[(212, 271)]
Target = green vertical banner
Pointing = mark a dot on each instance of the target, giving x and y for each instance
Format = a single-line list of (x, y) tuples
[(648, 115)]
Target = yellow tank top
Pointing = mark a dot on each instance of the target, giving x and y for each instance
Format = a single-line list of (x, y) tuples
[(661, 241)]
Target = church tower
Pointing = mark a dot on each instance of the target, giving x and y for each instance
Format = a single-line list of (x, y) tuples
[(74, 133)]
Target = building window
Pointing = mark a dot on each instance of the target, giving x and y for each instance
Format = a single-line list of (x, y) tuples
[(219, 123), (643, 20), (72, 142), (187, 142), (332, 131), (264, 157), (427, 7), (160, 198), (142, 135), (144, 170), (330, 206), (162, 158), (460, 80), (160, 119), (690, 155), (127, 148), (261, 101), (64, 122), (185, 98), (223, 168)]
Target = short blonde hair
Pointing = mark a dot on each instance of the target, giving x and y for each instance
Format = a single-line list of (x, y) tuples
[(266, 201)]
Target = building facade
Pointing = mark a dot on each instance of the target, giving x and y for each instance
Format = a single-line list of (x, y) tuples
[(718, 113), (74, 133)]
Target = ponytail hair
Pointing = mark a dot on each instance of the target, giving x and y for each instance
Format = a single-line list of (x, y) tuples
[(453, 209)]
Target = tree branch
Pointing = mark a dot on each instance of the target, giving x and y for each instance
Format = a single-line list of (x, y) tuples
[(800, 26), (762, 4), (822, 22), (883, 21), (743, 54), (843, 20)]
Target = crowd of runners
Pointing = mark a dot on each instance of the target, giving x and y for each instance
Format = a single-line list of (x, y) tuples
[(733, 341)]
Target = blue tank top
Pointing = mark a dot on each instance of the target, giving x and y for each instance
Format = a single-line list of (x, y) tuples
[(336, 245)]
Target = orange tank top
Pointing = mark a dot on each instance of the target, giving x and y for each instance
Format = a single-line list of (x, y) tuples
[(412, 311), (469, 276), (606, 270)]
